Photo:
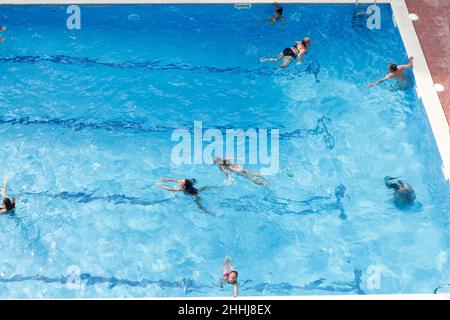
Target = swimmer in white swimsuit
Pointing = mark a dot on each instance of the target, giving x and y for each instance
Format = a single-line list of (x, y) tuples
[(226, 164)]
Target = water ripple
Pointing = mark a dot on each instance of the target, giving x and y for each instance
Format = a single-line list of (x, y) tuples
[(84, 197), (313, 205), (188, 285), (156, 65), (320, 129)]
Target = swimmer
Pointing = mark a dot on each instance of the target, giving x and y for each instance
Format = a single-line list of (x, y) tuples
[(230, 275), (2, 29), (8, 203), (186, 186), (226, 164), (277, 15), (290, 54), (396, 72), (404, 193)]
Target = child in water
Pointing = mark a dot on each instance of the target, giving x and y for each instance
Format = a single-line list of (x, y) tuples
[(230, 275)]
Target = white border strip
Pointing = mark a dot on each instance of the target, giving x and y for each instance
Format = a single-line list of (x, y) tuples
[(424, 84)]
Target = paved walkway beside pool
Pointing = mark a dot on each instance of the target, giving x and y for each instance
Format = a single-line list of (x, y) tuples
[(433, 30)]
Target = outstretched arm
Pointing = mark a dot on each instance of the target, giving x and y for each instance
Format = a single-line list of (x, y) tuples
[(169, 189), (301, 53), (170, 179), (390, 75), (235, 289), (222, 168), (407, 66)]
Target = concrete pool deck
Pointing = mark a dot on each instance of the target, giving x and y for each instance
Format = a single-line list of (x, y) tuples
[(433, 30)]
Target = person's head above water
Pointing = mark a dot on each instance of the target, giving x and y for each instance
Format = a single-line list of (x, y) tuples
[(217, 160), (306, 41), (405, 193), (9, 203), (188, 186), (278, 10), (232, 277), (392, 67)]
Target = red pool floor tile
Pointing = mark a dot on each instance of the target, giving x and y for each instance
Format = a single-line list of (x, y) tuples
[(433, 30)]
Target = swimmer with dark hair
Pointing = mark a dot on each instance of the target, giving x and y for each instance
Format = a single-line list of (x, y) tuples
[(186, 186), (404, 193), (8, 204), (288, 55), (2, 29), (277, 15), (226, 165), (230, 275), (395, 71)]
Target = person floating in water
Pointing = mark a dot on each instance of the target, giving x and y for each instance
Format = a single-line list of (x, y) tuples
[(404, 193), (226, 164), (277, 15), (290, 54), (396, 72), (230, 275), (8, 203), (186, 186), (2, 29)]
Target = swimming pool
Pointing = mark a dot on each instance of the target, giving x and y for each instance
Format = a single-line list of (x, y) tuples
[(86, 123)]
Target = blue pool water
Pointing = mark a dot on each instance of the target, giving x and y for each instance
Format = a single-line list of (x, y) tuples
[(86, 118)]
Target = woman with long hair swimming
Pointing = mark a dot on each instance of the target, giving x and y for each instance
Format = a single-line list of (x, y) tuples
[(186, 186)]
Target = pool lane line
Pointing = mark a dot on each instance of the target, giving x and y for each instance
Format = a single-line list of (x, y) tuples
[(321, 128), (189, 286)]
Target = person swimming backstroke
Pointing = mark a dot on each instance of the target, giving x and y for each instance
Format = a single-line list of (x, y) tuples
[(288, 55)]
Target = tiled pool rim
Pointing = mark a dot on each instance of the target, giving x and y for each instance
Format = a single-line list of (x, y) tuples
[(424, 89)]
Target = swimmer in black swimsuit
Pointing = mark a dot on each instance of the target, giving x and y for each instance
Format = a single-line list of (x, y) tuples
[(226, 164), (8, 203), (290, 54), (404, 193)]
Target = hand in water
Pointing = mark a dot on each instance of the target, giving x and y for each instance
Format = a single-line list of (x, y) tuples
[(229, 181)]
